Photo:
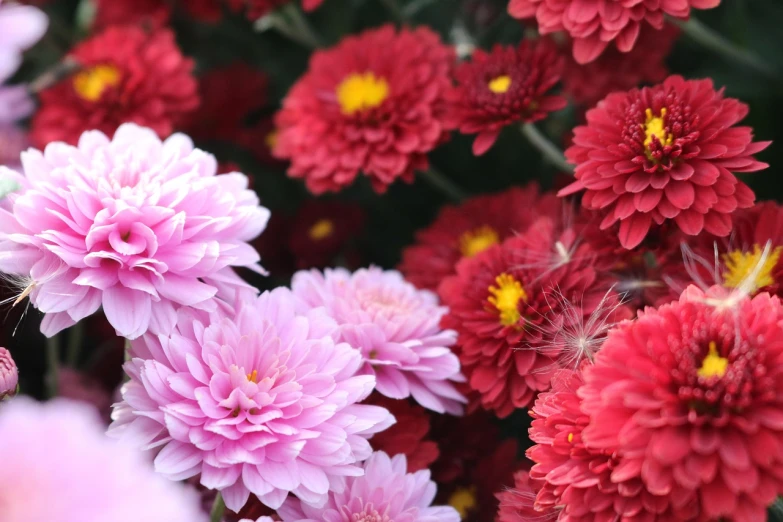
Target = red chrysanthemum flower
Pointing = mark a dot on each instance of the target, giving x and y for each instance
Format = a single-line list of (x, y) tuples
[(126, 75), (587, 84), (408, 436), (517, 502), (582, 483), (499, 88), (691, 396), (665, 153), (594, 24), (507, 304), (119, 12), (373, 104), (470, 228), (320, 231)]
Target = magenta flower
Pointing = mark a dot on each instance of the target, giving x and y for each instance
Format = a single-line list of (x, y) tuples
[(263, 402), (395, 327), (9, 374), (59, 466), (386, 493), (137, 225)]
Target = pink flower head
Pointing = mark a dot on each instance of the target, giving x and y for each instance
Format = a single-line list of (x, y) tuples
[(57, 465), (691, 395), (263, 402), (134, 224), (9, 374), (21, 26), (385, 493), (395, 327)]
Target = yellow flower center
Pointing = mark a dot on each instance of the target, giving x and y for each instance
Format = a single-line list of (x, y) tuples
[(713, 364), (656, 126), (464, 501), (500, 85), (322, 229), (476, 241), (90, 84), (505, 297), (253, 376), (271, 140), (360, 92), (740, 266), (570, 437)]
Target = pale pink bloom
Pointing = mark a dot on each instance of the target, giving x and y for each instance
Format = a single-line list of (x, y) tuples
[(386, 493), (136, 225), (9, 374), (395, 327), (260, 402), (21, 26), (58, 466)]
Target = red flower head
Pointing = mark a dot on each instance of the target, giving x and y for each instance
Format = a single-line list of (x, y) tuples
[(470, 228), (507, 306), (502, 87), (691, 396), (320, 231), (613, 71), (408, 436), (665, 153), (586, 484), (517, 504), (372, 104), (594, 24), (120, 12), (126, 75)]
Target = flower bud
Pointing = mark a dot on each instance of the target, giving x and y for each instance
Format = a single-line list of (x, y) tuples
[(9, 375)]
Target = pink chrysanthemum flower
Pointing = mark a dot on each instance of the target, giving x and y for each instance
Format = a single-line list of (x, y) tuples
[(395, 327), (385, 493), (263, 402), (665, 153), (134, 224), (21, 26), (594, 24), (691, 395), (9, 374), (57, 465)]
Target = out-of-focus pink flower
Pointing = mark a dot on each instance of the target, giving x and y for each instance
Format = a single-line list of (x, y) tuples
[(386, 492), (21, 26), (58, 465), (140, 227), (261, 402), (395, 327), (9, 374)]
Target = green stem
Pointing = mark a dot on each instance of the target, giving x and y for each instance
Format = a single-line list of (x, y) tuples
[(444, 185), (75, 342), (713, 41), (550, 151), (395, 9), (301, 25), (53, 364), (410, 10), (218, 508)]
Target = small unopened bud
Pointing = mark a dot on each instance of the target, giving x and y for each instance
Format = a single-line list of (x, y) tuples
[(9, 375)]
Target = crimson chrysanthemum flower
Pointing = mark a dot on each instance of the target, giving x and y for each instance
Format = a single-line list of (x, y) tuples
[(119, 12), (506, 305), (665, 153), (587, 84), (580, 483), (594, 24), (469, 229), (125, 75), (506, 85), (320, 231), (516, 503), (691, 396), (372, 104)]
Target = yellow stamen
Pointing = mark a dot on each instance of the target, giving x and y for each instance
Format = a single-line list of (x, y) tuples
[(321, 230), (91, 83), (464, 501), (359, 92), (570, 437), (739, 266), (477, 240), (713, 364), (656, 126), (500, 85), (505, 297), (253, 377), (271, 140)]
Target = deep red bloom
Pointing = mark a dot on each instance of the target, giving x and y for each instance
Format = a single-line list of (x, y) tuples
[(587, 84), (372, 104), (120, 12), (126, 75), (470, 228), (594, 24), (499, 88), (517, 502), (410, 435), (321, 230), (691, 396), (665, 153), (507, 306)]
